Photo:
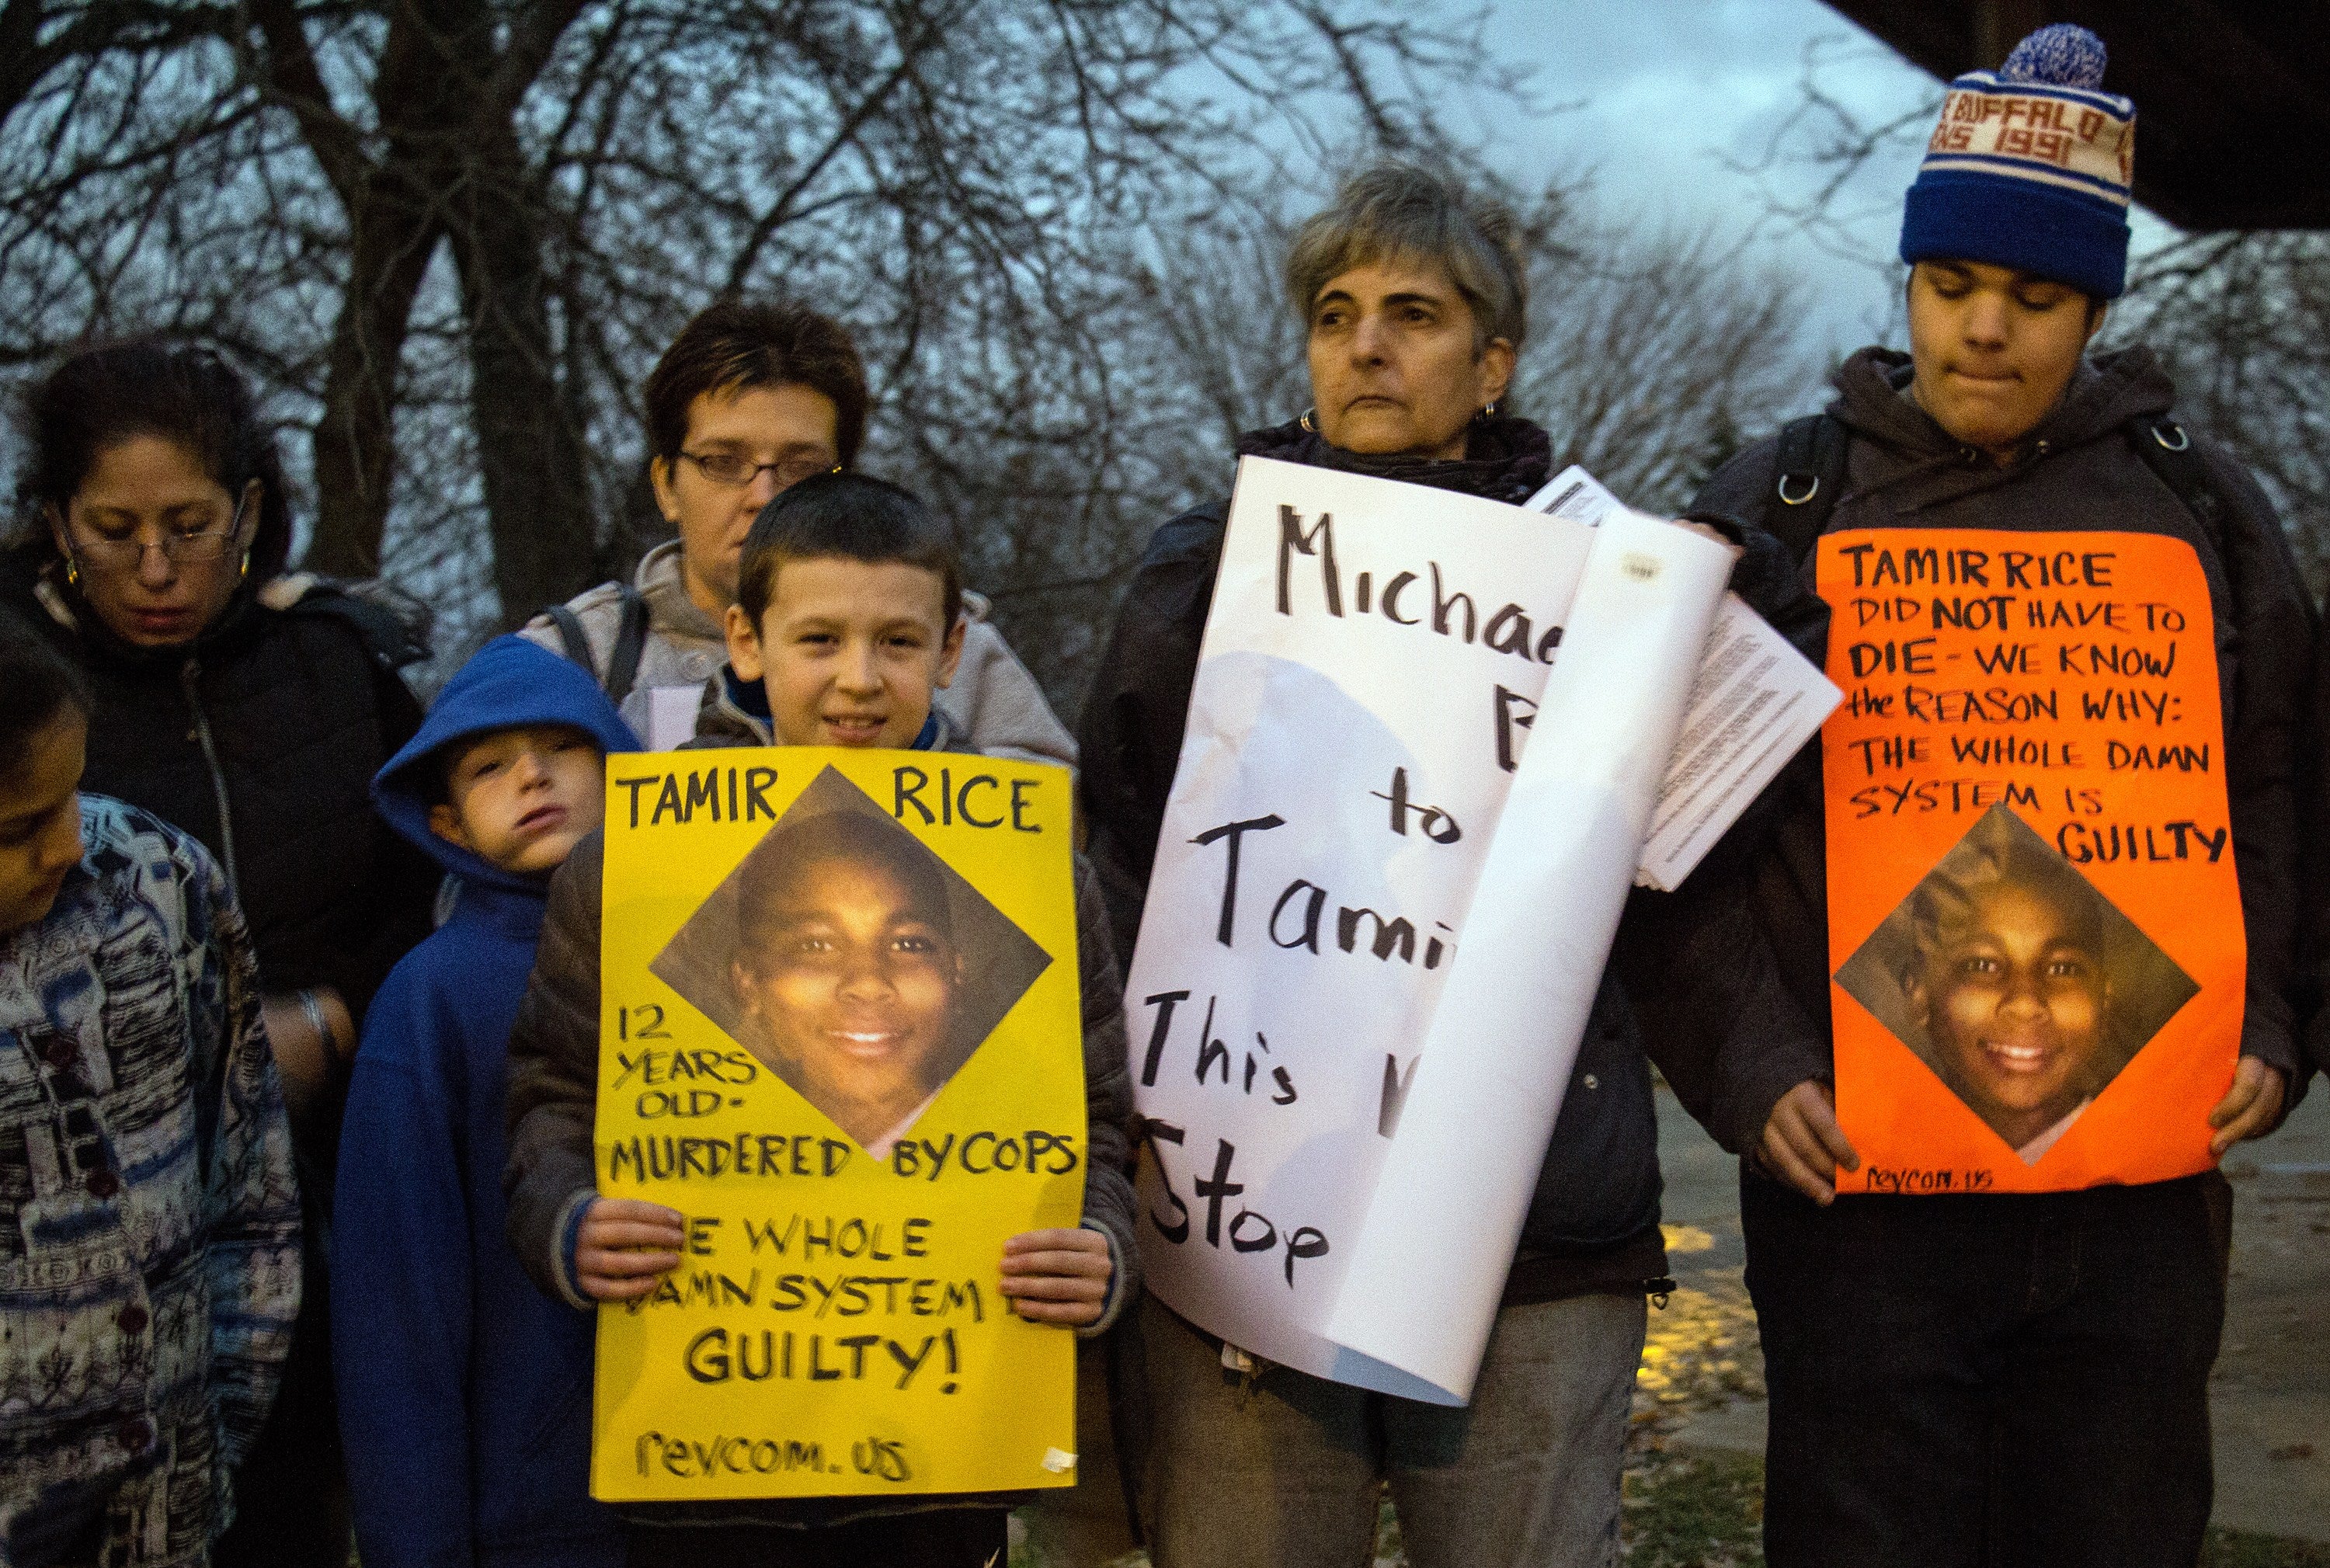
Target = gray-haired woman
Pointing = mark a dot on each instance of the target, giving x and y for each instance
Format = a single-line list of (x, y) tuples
[(1414, 301)]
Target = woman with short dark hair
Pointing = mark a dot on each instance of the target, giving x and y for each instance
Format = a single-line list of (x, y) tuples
[(251, 710), (1414, 301)]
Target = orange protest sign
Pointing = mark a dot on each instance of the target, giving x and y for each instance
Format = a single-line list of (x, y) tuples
[(2035, 937)]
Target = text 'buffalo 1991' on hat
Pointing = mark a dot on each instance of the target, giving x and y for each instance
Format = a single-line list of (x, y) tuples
[(2030, 167)]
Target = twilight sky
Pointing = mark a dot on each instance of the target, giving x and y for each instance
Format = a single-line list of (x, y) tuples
[(1661, 92), (1664, 90)]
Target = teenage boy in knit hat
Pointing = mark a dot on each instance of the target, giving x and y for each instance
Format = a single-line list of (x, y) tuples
[(1997, 1377)]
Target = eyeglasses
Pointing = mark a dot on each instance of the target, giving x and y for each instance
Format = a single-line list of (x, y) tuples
[(127, 552), (736, 471)]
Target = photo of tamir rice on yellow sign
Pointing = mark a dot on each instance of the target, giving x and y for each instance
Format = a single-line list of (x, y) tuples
[(839, 1035)]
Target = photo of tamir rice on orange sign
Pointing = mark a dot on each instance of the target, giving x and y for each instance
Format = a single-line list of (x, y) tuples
[(2034, 926)]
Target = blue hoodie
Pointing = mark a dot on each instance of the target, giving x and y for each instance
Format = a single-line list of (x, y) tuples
[(465, 1391)]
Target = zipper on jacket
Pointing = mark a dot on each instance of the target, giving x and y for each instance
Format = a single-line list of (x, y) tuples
[(188, 674)]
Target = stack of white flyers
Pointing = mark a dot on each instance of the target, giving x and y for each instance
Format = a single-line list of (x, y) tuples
[(1754, 704)]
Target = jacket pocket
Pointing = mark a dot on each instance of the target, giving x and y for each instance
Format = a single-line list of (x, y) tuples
[(1600, 1180)]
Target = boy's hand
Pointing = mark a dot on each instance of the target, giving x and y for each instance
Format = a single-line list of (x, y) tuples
[(1057, 1276), (1803, 1144), (2250, 1108), (624, 1246)]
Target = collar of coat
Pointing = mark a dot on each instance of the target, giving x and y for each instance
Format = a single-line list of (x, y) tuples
[(2105, 393), (1505, 459)]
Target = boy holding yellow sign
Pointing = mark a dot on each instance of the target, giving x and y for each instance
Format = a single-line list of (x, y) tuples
[(874, 1064)]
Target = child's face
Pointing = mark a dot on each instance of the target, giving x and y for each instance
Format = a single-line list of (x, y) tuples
[(40, 821), (2016, 1007), (1993, 348), (851, 986), (519, 798), (848, 651)]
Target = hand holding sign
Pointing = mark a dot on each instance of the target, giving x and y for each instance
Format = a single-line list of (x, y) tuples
[(1057, 1276), (2250, 1109), (624, 1246), (1804, 1146)]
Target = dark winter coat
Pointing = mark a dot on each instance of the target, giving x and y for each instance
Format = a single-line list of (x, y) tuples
[(1744, 944), (465, 1391), (1593, 1224), (554, 1065), (261, 739)]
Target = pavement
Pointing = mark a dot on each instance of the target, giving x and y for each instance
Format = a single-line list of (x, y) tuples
[(2270, 1406)]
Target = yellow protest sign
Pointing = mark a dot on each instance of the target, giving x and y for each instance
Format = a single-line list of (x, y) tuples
[(839, 1033)]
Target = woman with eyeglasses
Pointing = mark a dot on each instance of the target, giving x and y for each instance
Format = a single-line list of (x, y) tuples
[(249, 709)]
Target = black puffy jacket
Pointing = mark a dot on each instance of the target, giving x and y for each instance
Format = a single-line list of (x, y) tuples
[(261, 739), (1594, 1222)]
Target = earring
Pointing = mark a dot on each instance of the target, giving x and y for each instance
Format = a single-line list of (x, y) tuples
[(72, 571), (1488, 413), (1306, 420), (246, 565)]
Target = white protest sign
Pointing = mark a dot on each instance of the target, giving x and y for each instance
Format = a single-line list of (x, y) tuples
[(1373, 656), (1753, 705), (1454, 1186)]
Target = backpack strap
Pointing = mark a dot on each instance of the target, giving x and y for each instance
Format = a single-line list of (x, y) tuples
[(631, 642), (1809, 480), (572, 639), (2167, 449)]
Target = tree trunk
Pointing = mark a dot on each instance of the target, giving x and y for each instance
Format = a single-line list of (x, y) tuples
[(392, 238), (529, 453), (451, 75), (394, 202)]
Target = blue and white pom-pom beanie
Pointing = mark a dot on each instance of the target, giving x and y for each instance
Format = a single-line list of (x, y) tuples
[(2029, 167)]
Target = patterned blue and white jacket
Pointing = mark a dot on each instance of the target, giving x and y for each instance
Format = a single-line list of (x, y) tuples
[(150, 1221)]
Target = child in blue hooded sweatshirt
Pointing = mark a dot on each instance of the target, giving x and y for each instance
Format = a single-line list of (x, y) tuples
[(465, 1390)]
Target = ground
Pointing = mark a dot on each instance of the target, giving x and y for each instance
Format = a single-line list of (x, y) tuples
[(1694, 1479), (1694, 1483)]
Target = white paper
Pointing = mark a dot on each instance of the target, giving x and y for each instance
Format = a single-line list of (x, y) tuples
[(1575, 494), (1278, 1066), (1756, 700), (1360, 753), (1754, 704), (664, 716), (1450, 1197)]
